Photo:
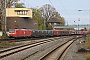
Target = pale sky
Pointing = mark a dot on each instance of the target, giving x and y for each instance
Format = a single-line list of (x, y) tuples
[(67, 9)]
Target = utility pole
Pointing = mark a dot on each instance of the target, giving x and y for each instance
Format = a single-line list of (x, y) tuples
[(45, 24), (3, 8)]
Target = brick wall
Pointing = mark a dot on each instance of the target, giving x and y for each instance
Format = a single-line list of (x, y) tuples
[(17, 22)]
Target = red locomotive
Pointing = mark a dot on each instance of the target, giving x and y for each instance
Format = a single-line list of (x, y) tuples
[(17, 33)]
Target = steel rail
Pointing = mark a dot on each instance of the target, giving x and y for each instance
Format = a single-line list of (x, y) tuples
[(9, 51), (45, 57)]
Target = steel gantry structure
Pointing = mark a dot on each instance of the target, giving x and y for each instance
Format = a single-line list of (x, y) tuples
[(87, 26)]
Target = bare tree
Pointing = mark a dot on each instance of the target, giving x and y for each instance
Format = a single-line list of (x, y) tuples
[(9, 3), (61, 19), (48, 11)]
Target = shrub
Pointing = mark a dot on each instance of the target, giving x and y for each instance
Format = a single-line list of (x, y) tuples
[(4, 35), (87, 41), (88, 56)]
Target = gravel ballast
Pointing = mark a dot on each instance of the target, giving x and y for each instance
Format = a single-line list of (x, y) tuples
[(72, 53)]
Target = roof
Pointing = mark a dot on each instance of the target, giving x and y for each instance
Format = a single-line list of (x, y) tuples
[(53, 20), (27, 9)]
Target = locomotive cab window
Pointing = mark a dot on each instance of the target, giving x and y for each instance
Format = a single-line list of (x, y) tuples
[(11, 31)]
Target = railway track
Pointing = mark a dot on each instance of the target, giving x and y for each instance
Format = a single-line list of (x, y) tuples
[(19, 39), (25, 39), (9, 51), (57, 53)]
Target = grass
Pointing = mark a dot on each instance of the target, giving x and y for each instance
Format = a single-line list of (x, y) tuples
[(6, 44), (87, 42), (87, 56), (87, 45)]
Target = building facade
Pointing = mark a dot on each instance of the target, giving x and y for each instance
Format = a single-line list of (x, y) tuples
[(54, 22), (18, 12), (20, 18)]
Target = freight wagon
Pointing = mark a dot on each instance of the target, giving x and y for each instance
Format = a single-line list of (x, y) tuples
[(25, 33)]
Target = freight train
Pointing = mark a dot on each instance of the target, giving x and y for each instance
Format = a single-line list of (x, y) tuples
[(26, 33)]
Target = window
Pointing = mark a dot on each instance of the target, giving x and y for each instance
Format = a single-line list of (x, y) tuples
[(18, 12), (50, 23), (11, 31), (55, 23), (22, 12)]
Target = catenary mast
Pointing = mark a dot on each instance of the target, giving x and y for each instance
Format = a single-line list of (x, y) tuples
[(3, 8)]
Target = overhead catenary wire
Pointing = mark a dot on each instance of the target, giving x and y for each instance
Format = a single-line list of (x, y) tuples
[(84, 15), (51, 3), (64, 8), (85, 12), (61, 4)]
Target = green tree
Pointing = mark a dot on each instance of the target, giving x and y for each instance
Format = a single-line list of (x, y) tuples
[(49, 27), (62, 21), (19, 5), (37, 16)]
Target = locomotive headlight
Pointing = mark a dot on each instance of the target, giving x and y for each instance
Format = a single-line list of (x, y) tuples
[(13, 33)]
